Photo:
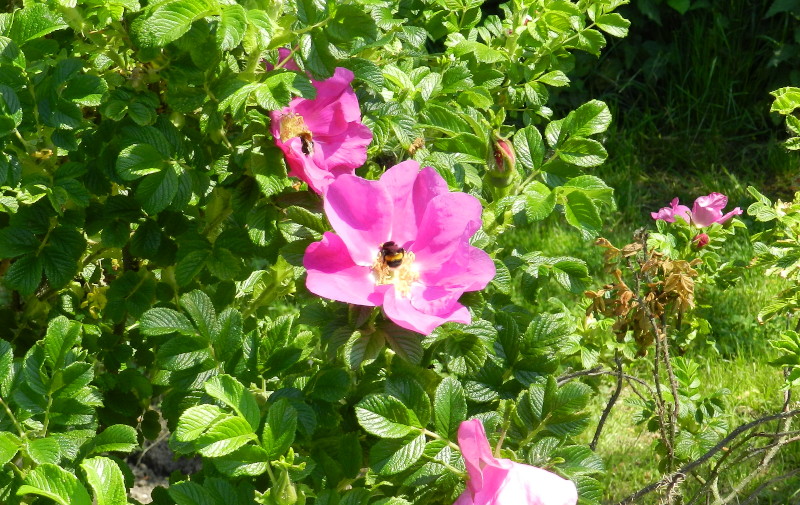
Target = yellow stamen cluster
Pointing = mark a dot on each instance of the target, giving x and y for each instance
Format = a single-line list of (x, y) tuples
[(401, 277), (292, 125)]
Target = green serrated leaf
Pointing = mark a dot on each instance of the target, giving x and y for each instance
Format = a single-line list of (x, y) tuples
[(25, 274), (10, 444), (786, 100), (138, 160), (200, 308), (279, 430), (385, 416), (388, 457), (232, 26), (44, 450), (33, 22), (582, 152), (224, 437), (106, 480), (169, 21), (614, 24), (117, 437), (195, 420), (157, 190), (249, 460), (581, 213), (161, 321), (233, 394), (539, 201), (55, 483), (590, 118), (449, 407), (529, 147), (15, 241)]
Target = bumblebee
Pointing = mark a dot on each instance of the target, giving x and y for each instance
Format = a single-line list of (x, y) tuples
[(307, 144), (392, 254)]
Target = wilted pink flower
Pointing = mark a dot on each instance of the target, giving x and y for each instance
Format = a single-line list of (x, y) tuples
[(499, 481), (401, 242), (707, 210), (322, 138), (700, 240), (674, 210)]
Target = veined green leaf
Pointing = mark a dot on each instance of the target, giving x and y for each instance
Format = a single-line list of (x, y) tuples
[(280, 428), (385, 416), (388, 457), (232, 26), (10, 444), (106, 480), (62, 335), (195, 420), (169, 21), (449, 407), (224, 437), (161, 321), (53, 482), (233, 394), (117, 437), (137, 160), (581, 213)]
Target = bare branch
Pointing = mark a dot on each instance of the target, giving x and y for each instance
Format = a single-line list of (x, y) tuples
[(610, 403), (668, 479)]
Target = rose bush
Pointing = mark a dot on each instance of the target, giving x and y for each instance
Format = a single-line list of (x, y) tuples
[(164, 279)]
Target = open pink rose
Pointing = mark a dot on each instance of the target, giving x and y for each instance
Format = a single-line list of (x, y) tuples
[(322, 138), (706, 211), (674, 210), (401, 242), (499, 481)]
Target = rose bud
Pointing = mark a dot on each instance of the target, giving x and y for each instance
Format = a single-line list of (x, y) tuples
[(701, 240), (502, 166)]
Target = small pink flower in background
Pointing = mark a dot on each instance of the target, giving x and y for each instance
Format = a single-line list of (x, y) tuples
[(707, 210), (401, 242), (499, 481), (674, 210), (324, 137), (700, 240)]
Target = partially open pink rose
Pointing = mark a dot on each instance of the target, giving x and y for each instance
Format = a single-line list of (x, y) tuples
[(401, 242), (674, 210), (324, 137), (499, 481), (706, 211)]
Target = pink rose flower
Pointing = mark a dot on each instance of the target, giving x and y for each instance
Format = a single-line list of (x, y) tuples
[(707, 210), (499, 481), (674, 210), (401, 242), (324, 137)]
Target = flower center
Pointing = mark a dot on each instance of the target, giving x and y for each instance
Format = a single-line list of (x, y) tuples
[(394, 265), (291, 126)]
